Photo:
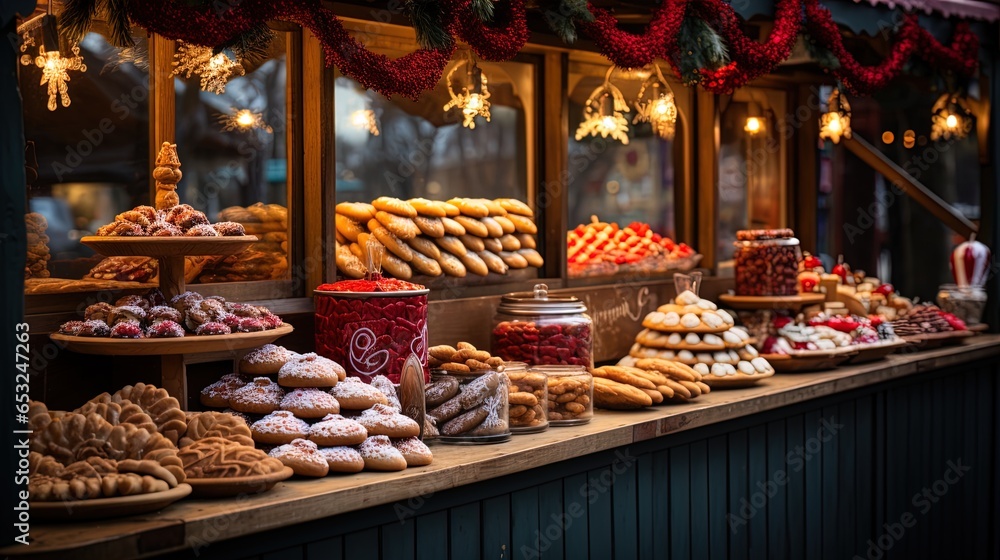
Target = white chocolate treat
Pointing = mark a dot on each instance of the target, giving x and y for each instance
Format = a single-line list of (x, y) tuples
[(721, 357), (746, 367), (726, 317), (748, 352), (712, 319), (704, 357), (670, 319), (761, 365), (692, 339), (690, 321), (701, 368), (674, 339), (712, 339), (655, 317), (718, 370), (687, 297), (740, 332), (706, 305), (685, 356)]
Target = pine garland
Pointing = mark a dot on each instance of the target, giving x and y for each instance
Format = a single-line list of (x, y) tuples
[(698, 46), (251, 46), (561, 18), (428, 22), (482, 8)]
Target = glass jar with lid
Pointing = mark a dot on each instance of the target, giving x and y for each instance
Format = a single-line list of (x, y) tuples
[(529, 399), (571, 394), (767, 262), (542, 329), (474, 407)]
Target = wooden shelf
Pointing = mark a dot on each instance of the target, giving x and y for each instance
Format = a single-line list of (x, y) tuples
[(168, 246), (753, 303), (190, 344), (297, 501)]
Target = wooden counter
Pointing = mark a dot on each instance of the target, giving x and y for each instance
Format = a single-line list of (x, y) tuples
[(185, 523)]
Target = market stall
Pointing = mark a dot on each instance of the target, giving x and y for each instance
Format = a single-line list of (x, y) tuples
[(505, 279)]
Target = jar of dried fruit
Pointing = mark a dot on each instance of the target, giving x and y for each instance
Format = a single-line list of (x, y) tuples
[(767, 262), (529, 399), (478, 410), (542, 329), (571, 394)]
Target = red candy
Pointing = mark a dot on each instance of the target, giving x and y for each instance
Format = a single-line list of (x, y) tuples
[(126, 329), (165, 329), (550, 344), (249, 324), (374, 285)]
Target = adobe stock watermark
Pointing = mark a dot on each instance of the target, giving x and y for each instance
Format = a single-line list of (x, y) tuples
[(922, 502), (590, 491), (795, 461)]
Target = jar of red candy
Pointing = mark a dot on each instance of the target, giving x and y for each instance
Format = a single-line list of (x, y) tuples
[(542, 329), (371, 326), (767, 262)]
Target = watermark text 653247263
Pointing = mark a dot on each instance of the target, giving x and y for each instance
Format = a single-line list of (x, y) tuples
[(22, 512)]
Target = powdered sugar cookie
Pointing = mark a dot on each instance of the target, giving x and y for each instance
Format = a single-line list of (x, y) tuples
[(266, 360), (343, 459), (310, 403), (335, 430), (380, 455), (354, 394), (217, 394), (278, 427), (383, 420), (416, 452), (309, 370), (303, 457), (388, 389), (263, 396)]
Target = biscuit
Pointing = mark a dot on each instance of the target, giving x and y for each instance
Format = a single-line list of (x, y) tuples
[(513, 260), (451, 244), (670, 369), (347, 227), (379, 455), (440, 391), (392, 243), (279, 427), (416, 452), (425, 265), (474, 264), (508, 242), (473, 243), (357, 211), (527, 240), (610, 394), (303, 457), (335, 429), (493, 206), (451, 227), (401, 227), (451, 265), (473, 226), (493, 262), (343, 459), (493, 228), (426, 207), (470, 207), (532, 256), (622, 374), (396, 267), (514, 206), (505, 224), (395, 206), (493, 245), (523, 224), (383, 420), (432, 227), (425, 246), (465, 422), (450, 209)]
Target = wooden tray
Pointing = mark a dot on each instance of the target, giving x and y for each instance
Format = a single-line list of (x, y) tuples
[(815, 360), (871, 352), (734, 381), (938, 339), (107, 507), (751, 303), (228, 487), (190, 344), (167, 246)]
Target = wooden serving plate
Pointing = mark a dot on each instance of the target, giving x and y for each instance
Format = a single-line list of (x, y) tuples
[(938, 339), (107, 507), (190, 344), (228, 487), (167, 246), (871, 352), (735, 381), (751, 303), (811, 360)]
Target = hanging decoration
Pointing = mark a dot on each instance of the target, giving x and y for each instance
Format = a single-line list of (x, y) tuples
[(54, 66), (836, 121), (657, 107), (244, 119), (703, 40), (604, 113), (473, 99), (950, 119), (214, 69)]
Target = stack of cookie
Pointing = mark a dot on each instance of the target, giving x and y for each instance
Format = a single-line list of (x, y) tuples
[(651, 381), (267, 259), (431, 238), (695, 332), (316, 420), (219, 445), (36, 266)]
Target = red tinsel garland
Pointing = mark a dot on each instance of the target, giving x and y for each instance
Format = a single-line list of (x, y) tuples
[(508, 32)]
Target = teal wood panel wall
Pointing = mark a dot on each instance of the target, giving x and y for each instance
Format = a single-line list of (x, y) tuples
[(901, 470)]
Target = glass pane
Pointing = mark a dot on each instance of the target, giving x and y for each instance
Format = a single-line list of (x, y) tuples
[(92, 157), (233, 152), (422, 151), (861, 214), (751, 167), (616, 182)]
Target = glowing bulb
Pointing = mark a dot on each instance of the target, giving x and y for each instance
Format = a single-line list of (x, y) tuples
[(52, 60), (475, 102), (217, 60), (359, 118), (951, 121), (608, 123), (753, 125), (661, 107), (245, 118), (835, 124)]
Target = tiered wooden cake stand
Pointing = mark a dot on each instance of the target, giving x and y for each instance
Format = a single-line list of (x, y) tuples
[(170, 253)]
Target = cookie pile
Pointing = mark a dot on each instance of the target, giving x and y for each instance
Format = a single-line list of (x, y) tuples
[(464, 408), (219, 445), (267, 259), (152, 316), (651, 381), (36, 266), (430, 237), (926, 319), (179, 220), (316, 420), (695, 332), (462, 358), (114, 445)]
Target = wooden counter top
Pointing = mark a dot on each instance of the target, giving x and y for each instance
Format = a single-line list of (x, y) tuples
[(188, 522)]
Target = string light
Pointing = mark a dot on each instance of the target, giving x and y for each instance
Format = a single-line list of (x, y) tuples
[(244, 119), (214, 69), (604, 113), (473, 99), (754, 125), (836, 122), (949, 118), (364, 119), (55, 67), (659, 109)]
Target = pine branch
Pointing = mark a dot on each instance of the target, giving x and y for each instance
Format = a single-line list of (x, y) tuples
[(116, 14), (821, 55), (699, 47), (561, 25), (76, 17), (483, 9), (251, 46), (427, 17)]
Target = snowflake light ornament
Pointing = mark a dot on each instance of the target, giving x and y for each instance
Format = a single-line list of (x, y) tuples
[(604, 113), (658, 107), (214, 69), (473, 99)]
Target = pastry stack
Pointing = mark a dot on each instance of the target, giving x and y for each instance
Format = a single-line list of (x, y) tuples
[(267, 259), (219, 445), (428, 237), (650, 381), (316, 420), (695, 332), (36, 266)]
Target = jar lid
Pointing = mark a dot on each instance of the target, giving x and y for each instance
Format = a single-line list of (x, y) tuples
[(558, 370), (767, 242), (764, 234), (377, 286), (539, 302)]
